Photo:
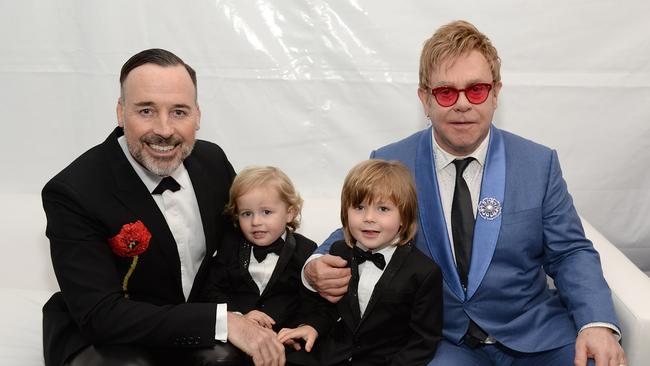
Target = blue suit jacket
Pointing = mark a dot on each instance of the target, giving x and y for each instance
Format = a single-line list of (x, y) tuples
[(538, 232)]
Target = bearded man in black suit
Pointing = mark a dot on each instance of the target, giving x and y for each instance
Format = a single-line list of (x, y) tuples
[(132, 223)]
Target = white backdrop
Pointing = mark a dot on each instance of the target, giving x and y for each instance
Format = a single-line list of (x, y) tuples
[(312, 86)]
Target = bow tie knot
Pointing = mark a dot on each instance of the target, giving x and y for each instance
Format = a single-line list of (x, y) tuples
[(260, 252), (167, 183), (377, 258)]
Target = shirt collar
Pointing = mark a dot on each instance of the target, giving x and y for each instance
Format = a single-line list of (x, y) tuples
[(386, 251), (150, 179), (443, 158)]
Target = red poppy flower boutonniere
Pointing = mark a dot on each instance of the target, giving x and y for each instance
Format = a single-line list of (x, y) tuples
[(131, 241)]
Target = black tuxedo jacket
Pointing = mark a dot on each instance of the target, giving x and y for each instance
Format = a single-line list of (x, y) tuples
[(88, 203), (282, 297), (402, 324)]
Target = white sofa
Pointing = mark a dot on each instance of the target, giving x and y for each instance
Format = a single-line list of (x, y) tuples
[(27, 281)]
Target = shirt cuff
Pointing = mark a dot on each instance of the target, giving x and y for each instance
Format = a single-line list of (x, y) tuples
[(221, 323), (615, 330), (302, 272)]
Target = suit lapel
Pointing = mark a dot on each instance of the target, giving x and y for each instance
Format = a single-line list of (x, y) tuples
[(285, 256), (433, 237), (486, 229), (348, 306), (133, 194), (400, 254), (244, 253), (205, 197)]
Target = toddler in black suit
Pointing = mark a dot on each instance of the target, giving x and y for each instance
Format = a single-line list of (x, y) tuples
[(392, 312), (257, 269)]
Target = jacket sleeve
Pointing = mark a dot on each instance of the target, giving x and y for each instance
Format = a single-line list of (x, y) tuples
[(570, 258)]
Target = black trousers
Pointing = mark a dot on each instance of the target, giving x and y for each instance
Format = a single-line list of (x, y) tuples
[(118, 355)]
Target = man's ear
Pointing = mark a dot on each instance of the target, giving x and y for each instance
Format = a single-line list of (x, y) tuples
[(119, 109), (495, 90), (424, 99), (198, 118)]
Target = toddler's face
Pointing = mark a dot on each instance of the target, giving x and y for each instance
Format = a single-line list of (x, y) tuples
[(262, 215), (374, 225)]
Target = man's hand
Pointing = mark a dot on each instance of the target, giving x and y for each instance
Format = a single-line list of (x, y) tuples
[(600, 344), (289, 336), (260, 318), (258, 342), (329, 276)]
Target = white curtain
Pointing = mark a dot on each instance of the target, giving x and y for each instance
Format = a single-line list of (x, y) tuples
[(312, 86)]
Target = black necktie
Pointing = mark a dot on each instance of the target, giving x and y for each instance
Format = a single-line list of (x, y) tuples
[(462, 221), (377, 258), (462, 228), (165, 184), (260, 252)]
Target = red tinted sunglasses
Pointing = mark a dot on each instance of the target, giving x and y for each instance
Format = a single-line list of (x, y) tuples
[(446, 96)]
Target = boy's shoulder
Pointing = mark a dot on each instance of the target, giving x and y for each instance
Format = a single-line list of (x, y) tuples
[(419, 261), (341, 249), (303, 241)]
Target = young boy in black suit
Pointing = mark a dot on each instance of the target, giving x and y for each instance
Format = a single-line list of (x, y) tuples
[(392, 312), (257, 269)]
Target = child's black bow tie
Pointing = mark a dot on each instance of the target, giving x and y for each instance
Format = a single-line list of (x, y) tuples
[(377, 258)]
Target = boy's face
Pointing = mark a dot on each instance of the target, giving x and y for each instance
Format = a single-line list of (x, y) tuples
[(263, 216), (375, 225)]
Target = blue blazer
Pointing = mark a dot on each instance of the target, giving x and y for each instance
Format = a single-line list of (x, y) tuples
[(537, 232)]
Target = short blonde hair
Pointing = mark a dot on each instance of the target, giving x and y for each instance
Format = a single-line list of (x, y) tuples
[(265, 177), (373, 180), (451, 41)]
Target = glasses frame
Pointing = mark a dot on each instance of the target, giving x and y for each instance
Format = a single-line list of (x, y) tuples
[(436, 90)]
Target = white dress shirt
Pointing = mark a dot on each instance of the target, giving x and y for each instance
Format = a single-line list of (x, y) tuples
[(369, 275), (446, 173), (181, 212), (261, 271)]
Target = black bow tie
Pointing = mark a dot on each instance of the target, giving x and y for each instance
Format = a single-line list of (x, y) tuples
[(260, 252), (165, 184), (377, 258)]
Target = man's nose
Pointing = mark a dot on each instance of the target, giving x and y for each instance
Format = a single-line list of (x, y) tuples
[(163, 126), (462, 104)]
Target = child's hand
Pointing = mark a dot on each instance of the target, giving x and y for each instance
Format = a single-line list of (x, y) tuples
[(288, 336), (260, 319)]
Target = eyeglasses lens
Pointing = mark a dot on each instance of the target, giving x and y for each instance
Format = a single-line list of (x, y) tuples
[(447, 96)]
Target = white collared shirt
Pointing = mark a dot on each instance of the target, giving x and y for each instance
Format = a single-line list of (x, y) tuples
[(446, 174), (181, 212), (261, 271), (369, 275)]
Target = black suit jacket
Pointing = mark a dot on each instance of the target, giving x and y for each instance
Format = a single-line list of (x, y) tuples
[(402, 324), (282, 297), (88, 203)]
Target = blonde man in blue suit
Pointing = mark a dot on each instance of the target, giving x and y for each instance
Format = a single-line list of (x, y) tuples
[(495, 213)]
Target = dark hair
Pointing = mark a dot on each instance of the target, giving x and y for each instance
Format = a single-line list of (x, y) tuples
[(156, 56)]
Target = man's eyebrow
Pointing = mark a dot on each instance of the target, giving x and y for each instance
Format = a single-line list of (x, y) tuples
[(152, 104), (144, 104), (467, 83)]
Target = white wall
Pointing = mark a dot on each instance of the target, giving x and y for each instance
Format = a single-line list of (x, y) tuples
[(313, 85)]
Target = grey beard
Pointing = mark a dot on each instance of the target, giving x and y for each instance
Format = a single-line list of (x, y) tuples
[(158, 167)]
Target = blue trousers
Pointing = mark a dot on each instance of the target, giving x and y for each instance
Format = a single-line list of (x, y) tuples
[(449, 354)]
